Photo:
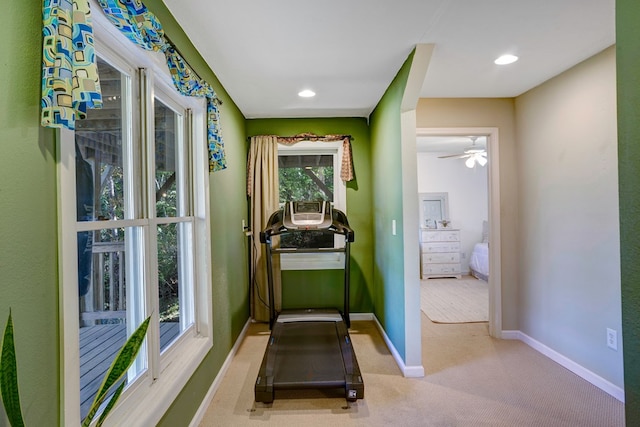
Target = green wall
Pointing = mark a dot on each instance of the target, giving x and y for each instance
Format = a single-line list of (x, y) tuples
[(229, 246), (324, 288), (28, 229), (388, 273), (628, 74)]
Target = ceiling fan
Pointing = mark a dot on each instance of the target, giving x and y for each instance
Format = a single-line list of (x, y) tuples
[(473, 154)]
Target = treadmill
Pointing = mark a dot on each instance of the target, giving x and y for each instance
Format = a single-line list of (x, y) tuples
[(309, 348)]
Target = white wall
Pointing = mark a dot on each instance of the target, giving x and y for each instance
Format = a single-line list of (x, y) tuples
[(468, 199), (569, 263)]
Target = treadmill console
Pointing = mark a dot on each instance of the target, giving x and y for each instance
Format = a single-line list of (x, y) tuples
[(307, 215)]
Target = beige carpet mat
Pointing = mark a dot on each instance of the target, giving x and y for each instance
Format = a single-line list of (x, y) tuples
[(463, 300)]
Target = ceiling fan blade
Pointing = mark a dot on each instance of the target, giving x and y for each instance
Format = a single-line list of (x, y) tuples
[(457, 156)]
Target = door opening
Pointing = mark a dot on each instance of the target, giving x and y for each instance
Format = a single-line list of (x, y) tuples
[(477, 149)]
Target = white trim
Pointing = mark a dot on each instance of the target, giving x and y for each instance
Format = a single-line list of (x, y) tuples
[(315, 261), (158, 395), (579, 370), (361, 316), (416, 371), (493, 176), (409, 227), (335, 149), (208, 398), (146, 399), (319, 261), (68, 301)]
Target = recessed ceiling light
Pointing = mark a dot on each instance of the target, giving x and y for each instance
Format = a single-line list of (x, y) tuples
[(307, 93), (506, 59)]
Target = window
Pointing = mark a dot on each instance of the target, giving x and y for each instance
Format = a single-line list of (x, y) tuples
[(310, 171), (136, 174)]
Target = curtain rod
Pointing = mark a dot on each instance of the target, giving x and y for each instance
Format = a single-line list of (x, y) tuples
[(310, 137), (173, 45)]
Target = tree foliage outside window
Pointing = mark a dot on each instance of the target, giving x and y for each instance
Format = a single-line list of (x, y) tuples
[(297, 185), (302, 179)]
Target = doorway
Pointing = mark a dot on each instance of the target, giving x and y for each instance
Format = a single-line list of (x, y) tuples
[(453, 142)]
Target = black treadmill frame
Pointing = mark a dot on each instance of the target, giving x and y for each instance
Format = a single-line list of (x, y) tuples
[(351, 379)]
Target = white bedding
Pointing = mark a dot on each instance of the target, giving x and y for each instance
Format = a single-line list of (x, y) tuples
[(479, 261)]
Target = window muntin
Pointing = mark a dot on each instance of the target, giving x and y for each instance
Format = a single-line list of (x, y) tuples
[(124, 202)]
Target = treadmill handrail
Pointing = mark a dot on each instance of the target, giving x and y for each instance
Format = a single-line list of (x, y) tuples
[(275, 226)]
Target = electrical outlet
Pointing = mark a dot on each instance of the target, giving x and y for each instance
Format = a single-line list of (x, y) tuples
[(612, 339)]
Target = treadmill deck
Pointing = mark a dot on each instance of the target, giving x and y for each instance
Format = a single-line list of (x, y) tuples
[(310, 353)]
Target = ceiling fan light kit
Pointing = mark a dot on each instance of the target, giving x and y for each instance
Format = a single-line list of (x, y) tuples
[(473, 155), (479, 158)]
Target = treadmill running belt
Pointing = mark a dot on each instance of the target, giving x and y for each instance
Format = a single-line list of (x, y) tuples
[(308, 352)]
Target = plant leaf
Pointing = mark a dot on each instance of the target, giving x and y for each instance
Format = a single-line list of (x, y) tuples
[(117, 370), (9, 377), (111, 404)]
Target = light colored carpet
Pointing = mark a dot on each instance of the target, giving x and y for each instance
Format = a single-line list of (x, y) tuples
[(471, 380), (455, 300)]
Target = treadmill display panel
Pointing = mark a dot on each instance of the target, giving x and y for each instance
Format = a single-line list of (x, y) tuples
[(307, 223)]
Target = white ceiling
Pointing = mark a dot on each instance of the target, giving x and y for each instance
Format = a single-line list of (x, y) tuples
[(348, 51), (449, 144)]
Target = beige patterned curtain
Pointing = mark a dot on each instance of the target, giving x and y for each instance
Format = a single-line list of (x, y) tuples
[(262, 188), (263, 191)]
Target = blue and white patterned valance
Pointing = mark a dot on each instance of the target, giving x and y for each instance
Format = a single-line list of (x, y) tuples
[(70, 83), (143, 28)]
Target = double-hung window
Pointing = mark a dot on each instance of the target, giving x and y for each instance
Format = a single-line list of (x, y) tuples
[(134, 226), (310, 171)]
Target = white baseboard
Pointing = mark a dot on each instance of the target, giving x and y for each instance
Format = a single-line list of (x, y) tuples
[(564, 361), (407, 371), (361, 316), (202, 409)]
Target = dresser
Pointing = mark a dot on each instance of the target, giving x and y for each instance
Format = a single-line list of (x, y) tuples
[(440, 253)]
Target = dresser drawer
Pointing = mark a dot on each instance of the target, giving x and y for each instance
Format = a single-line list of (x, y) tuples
[(441, 257), (428, 269), (440, 247), (440, 236)]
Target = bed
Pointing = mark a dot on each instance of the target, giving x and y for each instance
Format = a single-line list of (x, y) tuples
[(479, 260)]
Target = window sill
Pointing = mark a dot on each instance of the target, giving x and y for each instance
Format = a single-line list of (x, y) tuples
[(315, 261), (145, 403)]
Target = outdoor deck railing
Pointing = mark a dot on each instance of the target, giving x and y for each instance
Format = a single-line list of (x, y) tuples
[(106, 299)]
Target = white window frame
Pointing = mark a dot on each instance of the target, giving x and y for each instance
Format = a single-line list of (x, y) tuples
[(145, 400), (319, 261)]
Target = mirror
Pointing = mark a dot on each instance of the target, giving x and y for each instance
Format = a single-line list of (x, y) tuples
[(434, 208)]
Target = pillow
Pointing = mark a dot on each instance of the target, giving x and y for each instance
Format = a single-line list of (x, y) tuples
[(485, 232)]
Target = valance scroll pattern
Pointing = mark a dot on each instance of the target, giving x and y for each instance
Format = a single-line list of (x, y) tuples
[(70, 83), (143, 28)]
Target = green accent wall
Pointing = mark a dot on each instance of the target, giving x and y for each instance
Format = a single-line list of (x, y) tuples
[(229, 246), (28, 229), (324, 288), (628, 76), (386, 160)]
